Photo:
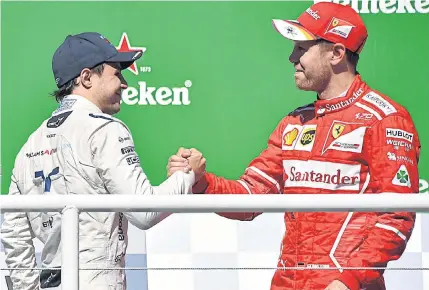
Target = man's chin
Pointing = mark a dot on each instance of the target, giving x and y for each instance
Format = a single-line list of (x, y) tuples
[(303, 87), (114, 109)]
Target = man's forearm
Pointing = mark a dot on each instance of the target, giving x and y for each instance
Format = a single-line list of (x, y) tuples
[(19, 251), (177, 184)]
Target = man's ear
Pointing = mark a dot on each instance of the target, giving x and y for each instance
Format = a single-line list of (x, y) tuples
[(338, 53), (85, 78)]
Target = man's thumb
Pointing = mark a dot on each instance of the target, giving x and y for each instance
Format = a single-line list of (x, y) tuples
[(185, 153)]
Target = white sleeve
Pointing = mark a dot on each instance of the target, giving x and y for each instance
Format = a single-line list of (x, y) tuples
[(17, 238), (119, 167)]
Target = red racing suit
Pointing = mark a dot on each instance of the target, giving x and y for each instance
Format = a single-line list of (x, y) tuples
[(361, 143)]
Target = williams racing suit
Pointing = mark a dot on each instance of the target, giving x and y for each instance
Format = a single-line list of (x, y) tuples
[(79, 150), (359, 143)]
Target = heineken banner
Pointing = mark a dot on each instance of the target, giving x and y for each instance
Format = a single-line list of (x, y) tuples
[(214, 76)]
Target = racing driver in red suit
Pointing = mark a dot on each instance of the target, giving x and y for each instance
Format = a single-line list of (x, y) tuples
[(352, 139)]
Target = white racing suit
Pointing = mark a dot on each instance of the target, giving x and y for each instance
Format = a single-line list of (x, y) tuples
[(79, 150)]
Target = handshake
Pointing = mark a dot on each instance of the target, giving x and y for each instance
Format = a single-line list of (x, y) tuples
[(186, 160)]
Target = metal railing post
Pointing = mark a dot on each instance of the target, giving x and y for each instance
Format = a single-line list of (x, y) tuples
[(70, 248)]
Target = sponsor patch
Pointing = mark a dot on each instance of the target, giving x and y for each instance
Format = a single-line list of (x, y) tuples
[(399, 134), (290, 135), (133, 160), (402, 178), (339, 27), (322, 175), (393, 157), (58, 120), (41, 153), (121, 233), (347, 137), (423, 186), (337, 130), (307, 136), (397, 144), (317, 266), (50, 278), (66, 104), (364, 116), (342, 104), (297, 137), (313, 13), (291, 30), (48, 223), (380, 103), (128, 149), (123, 139)]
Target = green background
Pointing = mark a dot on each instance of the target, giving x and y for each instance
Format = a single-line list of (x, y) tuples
[(242, 81)]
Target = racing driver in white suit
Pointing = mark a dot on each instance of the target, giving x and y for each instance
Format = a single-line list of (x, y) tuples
[(82, 149)]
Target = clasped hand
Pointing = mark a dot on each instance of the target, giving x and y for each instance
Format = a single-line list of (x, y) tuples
[(337, 285), (186, 160)]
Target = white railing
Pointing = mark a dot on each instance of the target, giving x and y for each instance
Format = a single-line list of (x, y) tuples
[(70, 205)]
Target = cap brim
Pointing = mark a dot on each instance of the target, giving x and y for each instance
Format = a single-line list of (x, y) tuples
[(126, 59), (293, 30)]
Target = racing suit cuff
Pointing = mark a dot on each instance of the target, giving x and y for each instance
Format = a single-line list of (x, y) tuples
[(348, 279), (201, 185)]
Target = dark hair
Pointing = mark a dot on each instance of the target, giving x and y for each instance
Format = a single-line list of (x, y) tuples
[(68, 87), (352, 57)]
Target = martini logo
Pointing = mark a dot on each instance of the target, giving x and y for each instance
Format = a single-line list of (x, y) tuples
[(143, 93), (385, 6)]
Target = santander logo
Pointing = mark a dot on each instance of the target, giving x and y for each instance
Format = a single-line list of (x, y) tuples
[(322, 175), (313, 13)]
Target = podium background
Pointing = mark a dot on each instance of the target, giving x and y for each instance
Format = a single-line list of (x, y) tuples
[(241, 87)]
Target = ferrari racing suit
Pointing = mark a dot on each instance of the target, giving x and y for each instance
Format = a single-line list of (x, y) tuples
[(79, 150), (359, 143)]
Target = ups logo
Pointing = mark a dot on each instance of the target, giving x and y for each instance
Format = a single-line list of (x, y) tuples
[(307, 136)]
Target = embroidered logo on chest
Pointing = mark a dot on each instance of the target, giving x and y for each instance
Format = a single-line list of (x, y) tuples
[(344, 136), (297, 137)]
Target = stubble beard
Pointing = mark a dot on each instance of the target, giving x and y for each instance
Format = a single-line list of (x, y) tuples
[(315, 81)]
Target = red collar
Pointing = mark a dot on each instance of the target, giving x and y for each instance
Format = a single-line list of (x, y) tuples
[(355, 91)]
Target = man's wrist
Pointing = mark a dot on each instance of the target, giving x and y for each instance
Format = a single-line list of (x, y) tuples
[(201, 185), (348, 279)]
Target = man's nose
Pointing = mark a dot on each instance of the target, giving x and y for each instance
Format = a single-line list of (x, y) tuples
[(295, 56), (124, 83)]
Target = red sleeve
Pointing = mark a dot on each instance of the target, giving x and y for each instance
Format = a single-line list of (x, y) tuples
[(394, 154), (262, 176)]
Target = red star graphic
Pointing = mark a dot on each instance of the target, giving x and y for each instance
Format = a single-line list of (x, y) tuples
[(124, 46)]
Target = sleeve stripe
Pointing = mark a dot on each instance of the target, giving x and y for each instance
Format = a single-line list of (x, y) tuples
[(245, 185), (390, 228), (360, 105), (100, 117), (266, 176)]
